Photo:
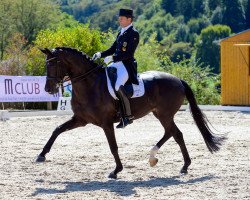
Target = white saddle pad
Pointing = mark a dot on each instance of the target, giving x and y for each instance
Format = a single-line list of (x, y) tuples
[(138, 90)]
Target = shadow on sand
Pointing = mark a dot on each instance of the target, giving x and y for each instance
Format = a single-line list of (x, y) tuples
[(122, 188)]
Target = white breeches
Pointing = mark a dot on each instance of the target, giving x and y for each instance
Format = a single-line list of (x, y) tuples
[(122, 74)]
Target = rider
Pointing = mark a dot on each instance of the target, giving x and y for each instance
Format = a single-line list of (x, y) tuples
[(121, 56)]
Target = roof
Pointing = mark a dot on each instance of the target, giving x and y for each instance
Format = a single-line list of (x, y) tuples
[(243, 36)]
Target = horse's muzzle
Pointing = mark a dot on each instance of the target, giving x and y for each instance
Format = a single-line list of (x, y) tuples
[(51, 87)]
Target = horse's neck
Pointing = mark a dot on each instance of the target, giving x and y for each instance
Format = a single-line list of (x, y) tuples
[(78, 68), (91, 86)]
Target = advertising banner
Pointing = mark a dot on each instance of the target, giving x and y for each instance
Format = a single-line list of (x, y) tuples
[(24, 89)]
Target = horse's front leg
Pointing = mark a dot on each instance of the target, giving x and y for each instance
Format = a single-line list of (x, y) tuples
[(110, 134), (71, 124)]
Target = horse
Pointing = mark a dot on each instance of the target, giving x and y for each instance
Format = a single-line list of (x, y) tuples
[(92, 103)]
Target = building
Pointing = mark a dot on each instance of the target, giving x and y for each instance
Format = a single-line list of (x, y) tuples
[(235, 69)]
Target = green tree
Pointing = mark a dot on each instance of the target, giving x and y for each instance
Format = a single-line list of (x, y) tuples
[(80, 37), (196, 25), (105, 21), (28, 17), (16, 56), (184, 8), (213, 4), (180, 51), (170, 6), (102, 14), (165, 25), (146, 55), (84, 10), (197, 8), (6, 21), (34, 15), (217, 16), (208, 49), (248, 15), (182, 33), (233, 15), (202, 81)]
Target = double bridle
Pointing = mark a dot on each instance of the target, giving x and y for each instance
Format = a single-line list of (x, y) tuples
[(59, 74), (59, 77)]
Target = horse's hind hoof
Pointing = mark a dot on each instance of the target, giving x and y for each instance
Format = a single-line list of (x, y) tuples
[(40, 159), (112, 175), (153, 162), (183, 172)]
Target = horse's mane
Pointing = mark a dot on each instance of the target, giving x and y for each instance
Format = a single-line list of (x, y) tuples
[(75, 52)]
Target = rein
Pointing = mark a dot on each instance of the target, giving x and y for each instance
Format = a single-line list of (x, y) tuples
[(82, 76), (72, 79), (59, 73)]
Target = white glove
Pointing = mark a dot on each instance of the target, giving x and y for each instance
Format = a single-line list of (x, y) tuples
[(96, 56), (108, 59)]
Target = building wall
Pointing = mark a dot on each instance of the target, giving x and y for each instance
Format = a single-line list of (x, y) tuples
[(235, 72)]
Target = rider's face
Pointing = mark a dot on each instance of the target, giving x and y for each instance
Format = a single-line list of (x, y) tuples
[(124, 21)]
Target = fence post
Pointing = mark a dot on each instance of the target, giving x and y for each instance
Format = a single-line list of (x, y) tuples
[(49, 105)]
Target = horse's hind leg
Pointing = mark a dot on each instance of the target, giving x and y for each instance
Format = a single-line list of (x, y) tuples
[(152, 159), (71, 124), (167, 127), (170, 130), (178, 136)]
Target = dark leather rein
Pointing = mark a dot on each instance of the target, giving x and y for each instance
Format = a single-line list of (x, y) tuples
[(72, 79), (83, 76)]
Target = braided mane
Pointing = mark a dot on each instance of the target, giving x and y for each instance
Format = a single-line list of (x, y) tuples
[(75, 52)]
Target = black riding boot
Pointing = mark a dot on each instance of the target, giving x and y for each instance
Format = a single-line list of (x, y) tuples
[(127, 118)]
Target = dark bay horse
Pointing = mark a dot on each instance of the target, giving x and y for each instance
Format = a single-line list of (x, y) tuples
[(92, 103)]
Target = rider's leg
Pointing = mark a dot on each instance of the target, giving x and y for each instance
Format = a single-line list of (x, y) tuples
[(122, 77), (127, 118)]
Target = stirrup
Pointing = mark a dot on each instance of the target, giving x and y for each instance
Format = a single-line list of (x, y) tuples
[(125, 121)]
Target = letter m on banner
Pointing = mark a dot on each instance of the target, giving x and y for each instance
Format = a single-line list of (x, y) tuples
[(8, 86)]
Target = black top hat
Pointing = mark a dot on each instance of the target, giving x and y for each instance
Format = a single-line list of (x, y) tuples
[(126, 13)]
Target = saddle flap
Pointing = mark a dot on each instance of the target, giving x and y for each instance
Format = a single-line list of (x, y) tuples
[(132, 90)]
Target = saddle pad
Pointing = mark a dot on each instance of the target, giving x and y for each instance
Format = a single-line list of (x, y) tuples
[(138, 90)]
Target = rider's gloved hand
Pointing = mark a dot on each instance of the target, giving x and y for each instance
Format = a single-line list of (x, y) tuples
[(108, 59), (96, 56)]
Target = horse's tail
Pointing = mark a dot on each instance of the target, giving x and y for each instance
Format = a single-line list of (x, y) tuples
[(212, 140)]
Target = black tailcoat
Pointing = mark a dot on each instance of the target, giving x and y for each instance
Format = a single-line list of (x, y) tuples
[(123, 49)]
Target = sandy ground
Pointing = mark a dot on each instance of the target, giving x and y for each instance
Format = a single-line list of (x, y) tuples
[(80, 161)]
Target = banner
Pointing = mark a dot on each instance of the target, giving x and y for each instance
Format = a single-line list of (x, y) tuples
[(24, 89)]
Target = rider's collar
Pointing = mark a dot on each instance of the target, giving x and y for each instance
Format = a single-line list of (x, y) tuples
[(126, 28)]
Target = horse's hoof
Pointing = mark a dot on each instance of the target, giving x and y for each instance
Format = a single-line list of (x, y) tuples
[(153, 161), (40, 159), (112, 175), (183, 172)]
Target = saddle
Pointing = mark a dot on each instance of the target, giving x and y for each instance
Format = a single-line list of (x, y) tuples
[(132, 90)]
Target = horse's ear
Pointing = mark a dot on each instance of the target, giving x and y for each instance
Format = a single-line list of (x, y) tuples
[(46, 51)]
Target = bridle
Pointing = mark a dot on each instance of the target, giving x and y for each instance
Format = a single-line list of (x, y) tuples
[(59, 74), (59, 77)]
